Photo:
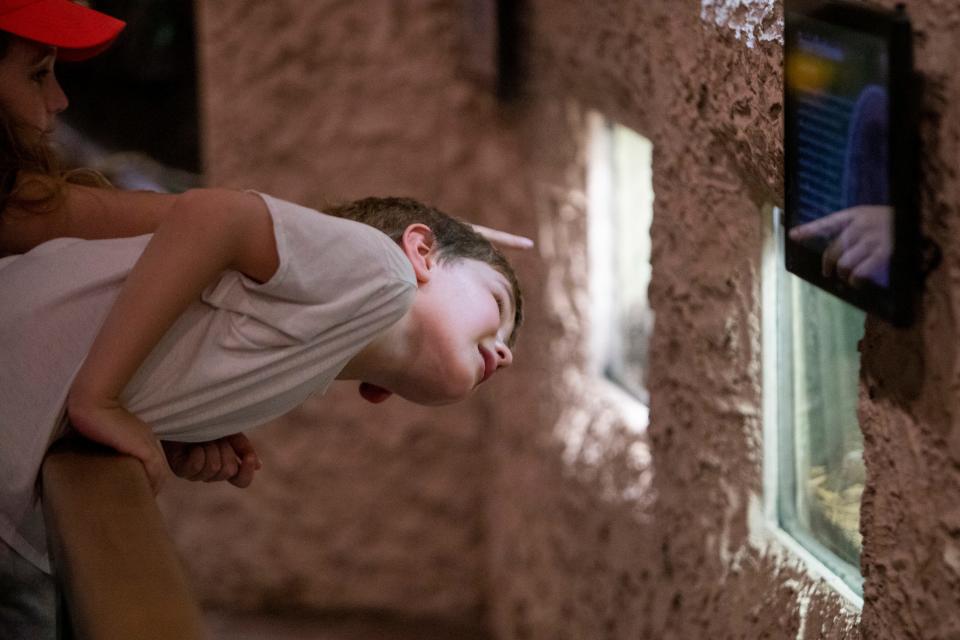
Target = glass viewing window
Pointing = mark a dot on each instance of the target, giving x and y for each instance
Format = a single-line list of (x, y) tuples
[(621, 194), (820, 459)]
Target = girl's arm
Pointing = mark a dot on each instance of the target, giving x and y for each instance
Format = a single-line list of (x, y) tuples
[(86, 212), (92, 214), (201, 234)]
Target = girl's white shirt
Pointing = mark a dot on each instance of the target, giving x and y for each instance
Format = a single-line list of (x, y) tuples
[(243, 354)]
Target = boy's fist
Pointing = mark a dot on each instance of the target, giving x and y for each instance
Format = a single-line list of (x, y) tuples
[(231, 458)]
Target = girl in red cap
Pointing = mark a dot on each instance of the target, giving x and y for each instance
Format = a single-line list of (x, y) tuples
[(33, 34)]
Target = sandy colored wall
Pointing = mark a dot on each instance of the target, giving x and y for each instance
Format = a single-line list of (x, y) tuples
[(910, 407), (673, 560), (538, 506), (703, 81)]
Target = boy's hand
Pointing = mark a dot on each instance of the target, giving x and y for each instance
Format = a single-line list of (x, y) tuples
[(231, 458), (503, 238), (114, 426)]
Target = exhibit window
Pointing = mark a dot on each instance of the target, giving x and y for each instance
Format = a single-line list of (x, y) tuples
[(819, 472), (621, 209)]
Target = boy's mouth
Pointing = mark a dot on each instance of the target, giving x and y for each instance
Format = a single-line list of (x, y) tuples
[(373, 393)]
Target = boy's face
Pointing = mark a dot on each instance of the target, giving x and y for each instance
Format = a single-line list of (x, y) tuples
[(464, 317), (29, 91)]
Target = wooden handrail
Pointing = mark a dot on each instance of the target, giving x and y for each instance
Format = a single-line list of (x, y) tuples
[(115, 564)]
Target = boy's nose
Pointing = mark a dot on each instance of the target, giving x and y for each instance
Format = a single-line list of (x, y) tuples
[(504, 355)]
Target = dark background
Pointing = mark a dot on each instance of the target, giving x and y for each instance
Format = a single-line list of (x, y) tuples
[(141, 94)]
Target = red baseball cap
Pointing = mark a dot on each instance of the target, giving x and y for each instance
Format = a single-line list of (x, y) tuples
[(76, 31)]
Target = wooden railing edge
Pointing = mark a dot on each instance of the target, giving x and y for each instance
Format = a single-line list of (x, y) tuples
[(117, 571)]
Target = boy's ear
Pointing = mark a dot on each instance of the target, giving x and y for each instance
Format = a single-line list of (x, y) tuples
[(418, 244)]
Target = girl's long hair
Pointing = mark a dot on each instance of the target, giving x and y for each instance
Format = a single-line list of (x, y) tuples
[(32, 178)]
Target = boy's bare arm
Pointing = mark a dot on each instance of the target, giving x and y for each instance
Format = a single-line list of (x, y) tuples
[(204, 233), (92, 214)]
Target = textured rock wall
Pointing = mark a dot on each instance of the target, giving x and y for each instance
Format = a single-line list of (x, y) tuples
[(910, 409), (540, 505), (703, 81), (654, 545)]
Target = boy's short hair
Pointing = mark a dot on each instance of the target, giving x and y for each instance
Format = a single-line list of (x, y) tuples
[(455, 239)]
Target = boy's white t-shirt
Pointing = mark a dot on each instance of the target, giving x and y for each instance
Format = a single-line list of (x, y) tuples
[(243, 354)]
